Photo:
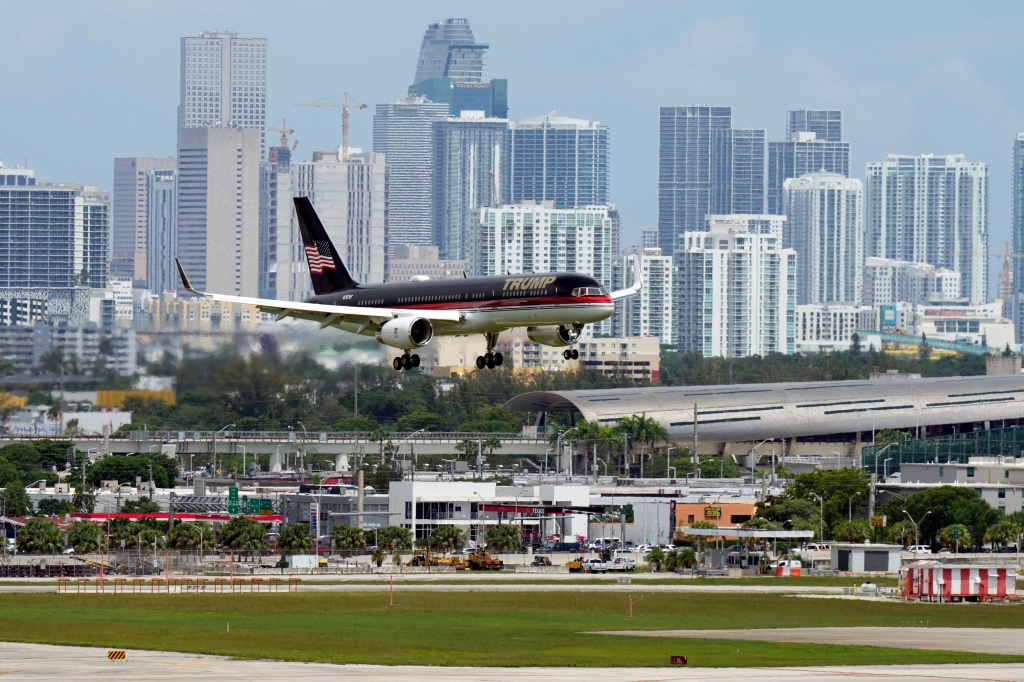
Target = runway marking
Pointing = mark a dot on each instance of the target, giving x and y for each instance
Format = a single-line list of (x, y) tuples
[(894, 674)]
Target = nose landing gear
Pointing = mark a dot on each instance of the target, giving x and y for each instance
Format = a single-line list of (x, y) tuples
[(490, 359), (406, 361)]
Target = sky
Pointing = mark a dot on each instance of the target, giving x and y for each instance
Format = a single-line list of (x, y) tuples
[(91, 80)]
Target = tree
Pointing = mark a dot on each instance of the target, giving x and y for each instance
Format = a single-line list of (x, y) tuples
[(40, 535), (901, 533), (347, 537), (656, 557), (84, 499), (253, 538), (936, 508), (231, 531), (142, 505), (857, 530), (466, 447), (141, 536), (446, 539), (8, 472), (86, 537), (295, 538), (191, 535), (25, 458), (378, 556), (1002, 533), (962, 536), (125, 469), (392, 537), (16, 500), (504, 537), (51, 506)]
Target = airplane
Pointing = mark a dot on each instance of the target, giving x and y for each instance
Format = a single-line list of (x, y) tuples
[(553, 306)]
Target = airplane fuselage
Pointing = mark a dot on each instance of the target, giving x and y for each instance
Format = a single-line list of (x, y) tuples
[(487, 304)]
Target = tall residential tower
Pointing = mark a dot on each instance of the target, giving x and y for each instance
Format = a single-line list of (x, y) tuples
[(559, 159)]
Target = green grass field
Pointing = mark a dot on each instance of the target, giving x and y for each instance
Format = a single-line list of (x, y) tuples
[(477, 629)]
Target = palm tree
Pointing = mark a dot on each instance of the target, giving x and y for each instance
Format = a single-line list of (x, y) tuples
[(295, 538), (504, 537), (347, 537), (655, 558), (446, 539), (1002, 532), (378, 556)]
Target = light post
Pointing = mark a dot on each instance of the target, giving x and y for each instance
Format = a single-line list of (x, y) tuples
[(304, 434), (839, 458), (917, 525), (243, 461), (412, 453), (879, 453), (821, 518), (751, 455), (219, 431), (546, 451), (849, 507), (558, 442), (885, 467), (668, 459), (190, 469)]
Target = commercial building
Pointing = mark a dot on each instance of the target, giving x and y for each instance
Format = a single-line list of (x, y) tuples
[(448, 50), (826, 327), (161, 230), (350, 198), (888, 282), (171, 314), (52, 236), (735, 293), (649, 314), (402, 132), (930, 209), (129, 215), (471, 161), (559, 159), (825, 229), (813, 143), (774, 225), (218, 208), (684, 168), (26, 346), (411, 261), (283, 274), (737, 171), (224, 83), (998, 480), (966, 325)]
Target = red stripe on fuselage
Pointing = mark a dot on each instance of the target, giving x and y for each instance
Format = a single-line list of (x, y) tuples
[(506, 303)]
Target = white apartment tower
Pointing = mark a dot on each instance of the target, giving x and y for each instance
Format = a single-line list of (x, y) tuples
[(755, 223), (648, 314), (350, 197), (825, 230), (537, 237), (735, 293), (930, 209)]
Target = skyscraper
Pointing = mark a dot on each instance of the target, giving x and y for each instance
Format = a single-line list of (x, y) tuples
[(825, 229), (930, 209), (1018, 214), (402, 132), (161, 230), (218, 208), (813, 143), (735, 293), (278, 249), (684, 168), (826, 124), (448, 50), (650, 312), (737, 171), (223, 82), (129, 215), (559, 159), (470, 171)]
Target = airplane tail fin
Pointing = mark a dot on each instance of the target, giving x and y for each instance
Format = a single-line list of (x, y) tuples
[(326, 269)]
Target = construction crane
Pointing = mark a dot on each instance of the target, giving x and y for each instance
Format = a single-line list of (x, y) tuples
[(284, 130), (344, 105), (1006, 277)]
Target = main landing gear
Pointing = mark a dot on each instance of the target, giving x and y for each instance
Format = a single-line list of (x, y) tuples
[(490, 359), (406, 361), (571, 354)]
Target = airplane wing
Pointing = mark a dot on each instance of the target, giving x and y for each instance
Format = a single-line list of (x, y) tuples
[(326, 315), (638, 282)]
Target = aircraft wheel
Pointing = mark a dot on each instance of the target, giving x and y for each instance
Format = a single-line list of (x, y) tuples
[(415, 360), (490, 361), (480, 362), (575, 354), (567, 354), (397, 363), (406, 362), (498, 359)]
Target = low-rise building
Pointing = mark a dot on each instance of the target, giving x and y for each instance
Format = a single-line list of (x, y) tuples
[(998, 480), (411, 261)]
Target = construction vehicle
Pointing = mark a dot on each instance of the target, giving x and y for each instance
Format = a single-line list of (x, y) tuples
[(421, 557), (541, 561), (575, 565), (482, 561), (456, 562)]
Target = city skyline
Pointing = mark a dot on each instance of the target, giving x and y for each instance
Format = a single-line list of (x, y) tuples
[(961, 103)]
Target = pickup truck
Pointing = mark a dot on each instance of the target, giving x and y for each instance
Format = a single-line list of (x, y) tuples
[(621, 564), (593, 566)]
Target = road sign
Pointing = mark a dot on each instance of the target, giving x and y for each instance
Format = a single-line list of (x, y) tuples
[(313, 519), (956, 532), (878, 521), (232, 500), (259, 505)]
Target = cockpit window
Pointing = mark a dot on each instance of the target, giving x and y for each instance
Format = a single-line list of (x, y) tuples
[(589, 291)]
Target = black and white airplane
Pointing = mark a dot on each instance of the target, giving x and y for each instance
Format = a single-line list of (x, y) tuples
[(553, 306)]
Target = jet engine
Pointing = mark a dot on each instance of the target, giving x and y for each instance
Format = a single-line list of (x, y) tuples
[(552, 336), (405, 332)]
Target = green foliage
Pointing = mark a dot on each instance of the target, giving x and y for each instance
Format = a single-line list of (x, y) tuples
[(962, 539), (40, 535), (900, 533), (8, 472), (295, 538), (141, 536), (380, 477), (124, 469), (392, 536), (51, 506), (142, 505), (230, 533), (936, 508), (835, 486), (378, 556), (356, 424), (656, 556), (84, 499), (858, 530), (418, 419), (86, 537), (446, 539), (347, 537), (504, 537), (25, 458), (15, 500), (252, 538), (886, 436), (190, 534), (715, 467), (1002, 533)]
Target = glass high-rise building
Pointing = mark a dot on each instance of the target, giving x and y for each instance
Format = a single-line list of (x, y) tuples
[(161, 230), (559, 159), (403, 133), (684, 168), (737, 171), (826, 124), (129, 215), (471, 160), (930, 209), (223, 82), (448, 50), (1018, 213)]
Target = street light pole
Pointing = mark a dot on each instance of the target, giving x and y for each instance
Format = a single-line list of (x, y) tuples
[(917, 524), (821, 518), (304, 434), (849, 506), (243, 460), (215, 446), (668, 459)]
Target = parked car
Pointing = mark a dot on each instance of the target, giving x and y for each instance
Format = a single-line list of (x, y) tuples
[(818, 547), (68, 550), (621, 564), (919, 549)]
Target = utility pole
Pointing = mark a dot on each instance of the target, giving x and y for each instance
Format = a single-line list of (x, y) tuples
[(696, 459), (151, 481)]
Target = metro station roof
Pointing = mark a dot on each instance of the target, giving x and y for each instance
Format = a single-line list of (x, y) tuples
[(740, 412)]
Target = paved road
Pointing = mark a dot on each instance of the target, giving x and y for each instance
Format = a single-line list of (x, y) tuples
[(979, 640), (42, 662)]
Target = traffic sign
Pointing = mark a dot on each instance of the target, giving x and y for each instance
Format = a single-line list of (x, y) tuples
[(956, 532), (232, 500)]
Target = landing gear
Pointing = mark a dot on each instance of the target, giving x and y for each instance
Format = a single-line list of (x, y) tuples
[(571, 354), (406, 361), (490, 359)]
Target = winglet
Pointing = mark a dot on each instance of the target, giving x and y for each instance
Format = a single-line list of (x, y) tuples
[(184, 279), (638, 281)]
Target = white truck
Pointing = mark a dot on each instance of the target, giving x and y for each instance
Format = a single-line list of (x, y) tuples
[(621, 563), (593, 566)]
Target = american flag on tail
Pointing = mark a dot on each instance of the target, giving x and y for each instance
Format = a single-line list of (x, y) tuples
[(320, 257)]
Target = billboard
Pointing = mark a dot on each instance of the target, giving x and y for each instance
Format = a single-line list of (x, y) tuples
[(887, 318)]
